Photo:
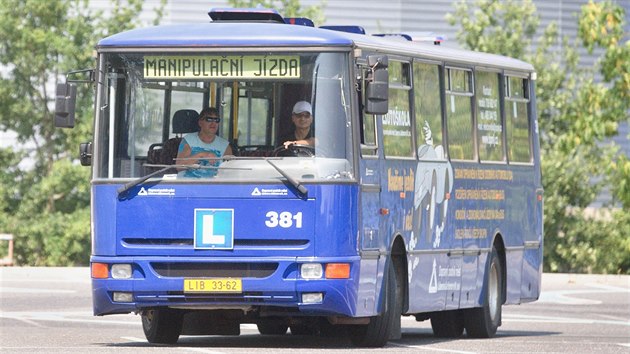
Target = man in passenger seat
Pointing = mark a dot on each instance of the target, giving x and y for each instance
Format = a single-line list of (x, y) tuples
[(203, 147)]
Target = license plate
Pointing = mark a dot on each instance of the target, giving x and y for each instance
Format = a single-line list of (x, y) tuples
[(219, 285)]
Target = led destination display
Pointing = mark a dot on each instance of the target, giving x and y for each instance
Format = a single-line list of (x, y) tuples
[(226, 67)]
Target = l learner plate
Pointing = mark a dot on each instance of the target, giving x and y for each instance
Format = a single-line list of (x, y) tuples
[(218, 285)]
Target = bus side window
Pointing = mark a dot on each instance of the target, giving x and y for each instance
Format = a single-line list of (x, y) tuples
[(459, 114), (369, 144), (489, 123), (397, 135), (517, 119), (428, 109)]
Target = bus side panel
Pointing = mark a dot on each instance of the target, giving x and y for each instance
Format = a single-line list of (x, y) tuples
[(103, 219), (336, 220), (533, 257), (369, 234)]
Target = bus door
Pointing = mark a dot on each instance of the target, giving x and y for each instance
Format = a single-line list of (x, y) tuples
[(370, 242)]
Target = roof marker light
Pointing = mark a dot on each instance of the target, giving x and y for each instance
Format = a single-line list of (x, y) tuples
[(416, 37), (245, 15), (300, 21), (349, 29)]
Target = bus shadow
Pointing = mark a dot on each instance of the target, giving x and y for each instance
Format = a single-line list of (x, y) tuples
[(246, 341), (418, 336), (410, 337)]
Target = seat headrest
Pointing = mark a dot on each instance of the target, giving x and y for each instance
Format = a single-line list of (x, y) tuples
[(185, 121)]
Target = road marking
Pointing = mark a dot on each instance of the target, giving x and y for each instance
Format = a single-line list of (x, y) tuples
[(35, 291), (61, 317), (426, 347), (197, 350), (547, 319), (30, 322), (564, 296), (134, 339)]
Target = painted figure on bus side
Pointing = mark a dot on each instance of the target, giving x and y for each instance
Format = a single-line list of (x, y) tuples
[(203, 147), (434, 181)]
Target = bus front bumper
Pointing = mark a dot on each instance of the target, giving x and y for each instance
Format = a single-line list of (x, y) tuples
[(265, 283)]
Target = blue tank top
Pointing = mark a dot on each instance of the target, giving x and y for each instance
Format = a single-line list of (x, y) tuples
[(217, 147)]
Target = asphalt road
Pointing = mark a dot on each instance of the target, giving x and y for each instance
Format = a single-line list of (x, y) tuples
[(48, 310)]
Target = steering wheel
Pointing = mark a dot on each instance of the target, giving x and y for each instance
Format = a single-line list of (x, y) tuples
[(299, 150)]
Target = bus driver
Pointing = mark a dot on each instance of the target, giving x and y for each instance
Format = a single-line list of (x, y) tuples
[(302, 118)]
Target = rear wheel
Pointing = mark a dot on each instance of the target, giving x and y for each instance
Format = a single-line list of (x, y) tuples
[(483, 322), (447, 324), (378, 331), (162, 325)]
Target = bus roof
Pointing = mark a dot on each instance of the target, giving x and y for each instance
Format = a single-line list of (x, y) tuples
[(277, 35)]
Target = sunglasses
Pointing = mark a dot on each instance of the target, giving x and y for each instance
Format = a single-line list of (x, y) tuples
[(303, 115), (212, 119)]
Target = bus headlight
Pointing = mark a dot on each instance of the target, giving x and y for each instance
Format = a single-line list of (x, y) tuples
[(121, 271), (311, 271)]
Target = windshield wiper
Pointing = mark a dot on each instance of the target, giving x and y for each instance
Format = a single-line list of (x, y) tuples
[(301, 189), (297, 185), (136, 182), (164, 168)]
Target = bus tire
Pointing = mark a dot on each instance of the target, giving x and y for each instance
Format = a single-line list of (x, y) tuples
[(483, 322), (272, 328), (447, 324), (162, 325), (377, 332)]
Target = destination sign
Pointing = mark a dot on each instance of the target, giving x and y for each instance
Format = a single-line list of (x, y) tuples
[(222, 67)]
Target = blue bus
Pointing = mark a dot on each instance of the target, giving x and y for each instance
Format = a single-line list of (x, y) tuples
[(417, 193)]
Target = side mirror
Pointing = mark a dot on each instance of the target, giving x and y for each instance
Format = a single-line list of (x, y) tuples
[(377, 90), (85, 154), (65, 105)]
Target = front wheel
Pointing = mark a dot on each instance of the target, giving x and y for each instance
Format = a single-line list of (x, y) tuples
[(162, 325), (483, 322), (378, 331)]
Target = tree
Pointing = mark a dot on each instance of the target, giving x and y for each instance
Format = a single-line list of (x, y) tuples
[(46, 206), (287, 8), (576, 115)]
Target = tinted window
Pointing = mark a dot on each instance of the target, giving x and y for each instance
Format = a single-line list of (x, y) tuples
[(428, 108), (459, 115), (517, 120), (489, 125), (397, 121)]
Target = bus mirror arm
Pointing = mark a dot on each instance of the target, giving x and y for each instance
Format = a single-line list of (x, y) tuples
[(66, 97), (297, 185)]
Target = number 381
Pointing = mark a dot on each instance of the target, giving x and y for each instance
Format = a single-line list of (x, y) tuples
[(284, 219)]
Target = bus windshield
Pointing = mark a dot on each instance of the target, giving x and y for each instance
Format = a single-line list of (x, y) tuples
[(149, 105)]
